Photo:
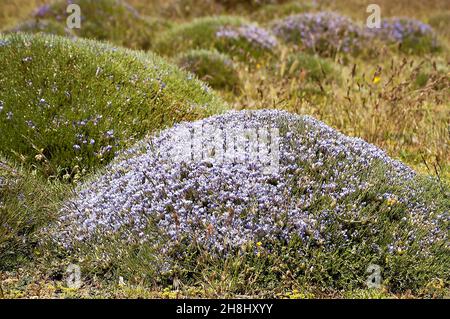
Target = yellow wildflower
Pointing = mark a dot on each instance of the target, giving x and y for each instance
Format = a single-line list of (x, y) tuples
[(392, 201)]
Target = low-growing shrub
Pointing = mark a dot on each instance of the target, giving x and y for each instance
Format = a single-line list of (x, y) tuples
[(231, 35), (214, 68), (67, 106), (323, 33), (109, 20), (334, 206), (42, 26), (177, 9), (309, 67), (412, 36)]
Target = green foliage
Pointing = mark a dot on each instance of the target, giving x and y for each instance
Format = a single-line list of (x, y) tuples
[(440, 22), (68, 106), (419, 45), (276, 11), (367, 294), (44, 26), (311, 67), (271, 267), (12, 11), (325, 33), (198, 34), (217, 69), (27, 203), (410, 35), (107, 20), (237, 4), (202, 33)]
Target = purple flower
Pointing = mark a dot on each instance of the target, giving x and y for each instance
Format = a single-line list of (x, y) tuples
[(42, 11), (253, 34), (401, 30), (225, 204), (3, 43), (110, 134), (30, 124), (324, 32), (227, 32)]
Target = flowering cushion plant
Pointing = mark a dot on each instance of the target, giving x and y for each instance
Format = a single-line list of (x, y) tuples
[(324, 33), (111, 20), (412, 35), (234, 36), (328, 192)]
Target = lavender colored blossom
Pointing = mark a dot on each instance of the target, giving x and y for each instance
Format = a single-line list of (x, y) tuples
[(3, 43), (322, 32), (223, 205), (30, 124), (227, 32), (110, 134), (257, 36), (42, 11), (400, 30)]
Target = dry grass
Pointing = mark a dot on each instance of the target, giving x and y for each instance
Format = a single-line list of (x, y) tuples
[(417, 9), (14, 10), (397, 114)]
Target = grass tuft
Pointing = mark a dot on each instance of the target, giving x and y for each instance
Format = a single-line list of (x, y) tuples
[(216, 69), (68, 105), (336, 206), (234, 35)]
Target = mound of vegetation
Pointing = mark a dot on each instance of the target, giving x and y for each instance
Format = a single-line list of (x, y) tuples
[(233, 4), (412, 36), (309, 67), (216, 69), (324, 33), (232, 35), (67, 106), (108, 20), (280, 199), (276, 11), (42, 26)]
